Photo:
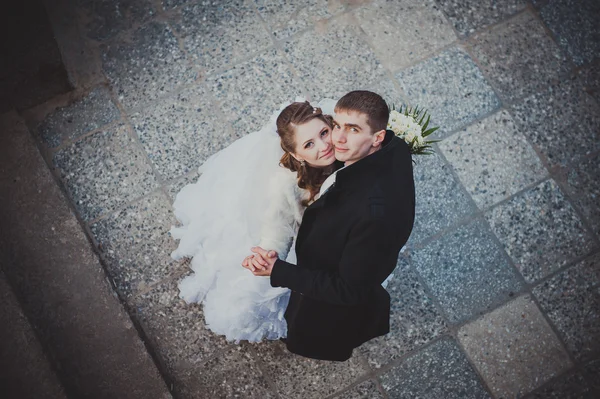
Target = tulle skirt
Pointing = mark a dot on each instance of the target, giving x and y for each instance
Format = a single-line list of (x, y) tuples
[(220, 219)]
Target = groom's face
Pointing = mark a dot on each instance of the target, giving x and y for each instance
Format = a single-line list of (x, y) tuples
[(352, 137)]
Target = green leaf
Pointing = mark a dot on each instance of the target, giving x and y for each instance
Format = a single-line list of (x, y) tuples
[(428, 132), (426, 123)]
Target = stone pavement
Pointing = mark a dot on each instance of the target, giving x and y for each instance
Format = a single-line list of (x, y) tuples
[(498, 294)]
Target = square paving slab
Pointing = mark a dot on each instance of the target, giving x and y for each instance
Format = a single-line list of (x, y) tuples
[(366, 390), (387, 24), (414, 319), (250, 92), (540, 231), (287, 17), (181, 131), (451, 87), (176, 328), (334, 59), (230, 374), (583, 187), (519, 57), (107, 18), (468, 16), (218, 34), (104, 171), (439, 371), (319, 378), (147, 66), (571, 300), (441, 200), (575, 25), (137, 245), (514, 348), (570, 386), (493, 159), (89, 113), (563, 123), (467, 271)]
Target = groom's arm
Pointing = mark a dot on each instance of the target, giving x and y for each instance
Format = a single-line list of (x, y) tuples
[(364, 265)]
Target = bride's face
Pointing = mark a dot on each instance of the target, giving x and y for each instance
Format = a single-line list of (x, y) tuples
[(313, 143)]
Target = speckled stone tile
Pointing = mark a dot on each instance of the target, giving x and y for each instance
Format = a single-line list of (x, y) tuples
[(540, 231), (250, 92), (176, 328), (467, 271), (575, 25), (451, 87), (519, 58), (389, 90), (563, 123), (538, 3), (593, 371), (136, 243), (87, 114), (366, 390), (493, 159), (286, 17), (414, 319), (514, 349), (174, 187), (571, 301), (583, 185), (103, 19), (569, 386), (218, 34), (180, 132), (590, 77), (440, 371), (232, 374), (395, 30), (300, 377), (104, 171), (467, 16), (440, 198), (172, 4), (147, 66), (334, 59)]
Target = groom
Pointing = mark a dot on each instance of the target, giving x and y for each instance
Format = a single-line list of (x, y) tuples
[(349, 239)]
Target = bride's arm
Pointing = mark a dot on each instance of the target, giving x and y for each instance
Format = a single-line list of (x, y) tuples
[(279, 224)]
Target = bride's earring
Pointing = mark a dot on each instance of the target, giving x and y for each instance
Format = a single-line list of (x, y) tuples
[(302, 163)]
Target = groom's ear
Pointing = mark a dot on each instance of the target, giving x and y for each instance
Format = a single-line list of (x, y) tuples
[(379, 137)]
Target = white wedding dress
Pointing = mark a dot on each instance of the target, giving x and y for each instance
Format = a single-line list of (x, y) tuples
[(242, 198)]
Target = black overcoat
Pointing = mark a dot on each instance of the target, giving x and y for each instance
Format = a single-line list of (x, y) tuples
[(347, 245)]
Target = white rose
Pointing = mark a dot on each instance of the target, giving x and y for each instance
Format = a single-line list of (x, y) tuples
[(394, 116)]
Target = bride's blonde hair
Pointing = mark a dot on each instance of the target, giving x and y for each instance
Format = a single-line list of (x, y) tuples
[(296, 114)]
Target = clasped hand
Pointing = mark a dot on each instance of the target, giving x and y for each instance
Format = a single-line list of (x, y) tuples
[(261, 263)]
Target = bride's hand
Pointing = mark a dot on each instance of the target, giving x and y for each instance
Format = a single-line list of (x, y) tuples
[(255, 262), (251, 264), (264, 261)]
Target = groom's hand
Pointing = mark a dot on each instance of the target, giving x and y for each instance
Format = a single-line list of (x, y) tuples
[(266, 259)]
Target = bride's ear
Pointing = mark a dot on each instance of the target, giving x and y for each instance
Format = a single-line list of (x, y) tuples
[(296, 157)]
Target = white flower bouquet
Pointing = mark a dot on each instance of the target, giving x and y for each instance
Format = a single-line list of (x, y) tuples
[(412, 125)]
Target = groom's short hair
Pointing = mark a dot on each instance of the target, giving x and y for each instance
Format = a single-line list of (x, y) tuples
[(368, 103)]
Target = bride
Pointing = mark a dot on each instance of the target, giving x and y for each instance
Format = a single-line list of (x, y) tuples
[(288, 160)]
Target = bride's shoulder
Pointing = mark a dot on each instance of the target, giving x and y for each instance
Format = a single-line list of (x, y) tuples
[(283, 176)]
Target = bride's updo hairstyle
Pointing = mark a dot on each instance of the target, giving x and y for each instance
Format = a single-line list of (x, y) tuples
[(296, 114)]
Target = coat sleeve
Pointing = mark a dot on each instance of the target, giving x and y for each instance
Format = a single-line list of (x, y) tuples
[(363, 266)]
